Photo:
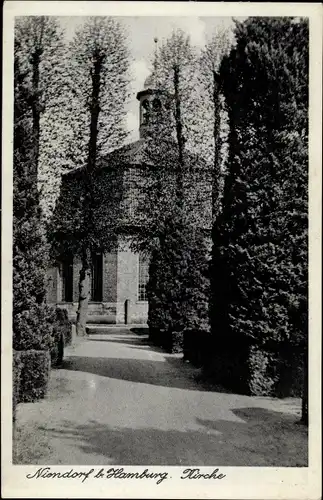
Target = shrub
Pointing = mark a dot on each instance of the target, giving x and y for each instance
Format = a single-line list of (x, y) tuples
[(66, 325), (153, 334), (226, 363), (176, 342), (290, 376), (17, 367), (253, 369), (158, 312), (34, 328), (62, 336), (179, 285), (196, 346), (260, 251), (262, 376), (34, 374), (57, 349), (161, 338)]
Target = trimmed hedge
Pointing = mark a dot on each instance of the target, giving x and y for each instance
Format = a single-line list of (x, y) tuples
[(34, 377), (16, 372), (263, 379), (169, 340), (176, 342), (179, 285), (254, 370), (227, 363), (34, 328), (196, 346)]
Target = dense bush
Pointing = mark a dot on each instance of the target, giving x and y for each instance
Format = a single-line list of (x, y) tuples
[(253, 370), (176, 344), (159, 317), (16, 372), (32, 319), (196, 346), (34, 328), (178, 288), (35, 372), (259, 282), (261, 382)]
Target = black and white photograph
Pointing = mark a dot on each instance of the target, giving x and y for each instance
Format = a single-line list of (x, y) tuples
[(160, 319)]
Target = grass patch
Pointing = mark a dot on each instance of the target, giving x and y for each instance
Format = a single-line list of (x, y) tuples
[(29, 445)]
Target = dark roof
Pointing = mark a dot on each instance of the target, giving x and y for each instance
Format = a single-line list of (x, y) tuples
[(149, 91), (129, 153)]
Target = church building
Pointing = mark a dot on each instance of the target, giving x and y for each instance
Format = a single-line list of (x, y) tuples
[(119, 277)]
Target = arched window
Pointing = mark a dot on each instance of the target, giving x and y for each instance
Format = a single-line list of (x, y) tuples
[(156, 104), (145, 111)]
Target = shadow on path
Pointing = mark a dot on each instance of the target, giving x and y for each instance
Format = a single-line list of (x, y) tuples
[(169, 371), (263, 438), (116, 340), (142, 371)]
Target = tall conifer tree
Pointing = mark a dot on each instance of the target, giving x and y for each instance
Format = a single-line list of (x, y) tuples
[(260, 239)]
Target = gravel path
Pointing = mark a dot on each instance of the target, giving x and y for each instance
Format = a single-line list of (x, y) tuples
[(117, 400)]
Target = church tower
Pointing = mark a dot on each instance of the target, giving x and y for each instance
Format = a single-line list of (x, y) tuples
[(152, 102), (151, 107)]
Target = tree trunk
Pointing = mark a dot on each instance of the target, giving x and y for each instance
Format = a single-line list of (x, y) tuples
[(84, 293), (85, 272)]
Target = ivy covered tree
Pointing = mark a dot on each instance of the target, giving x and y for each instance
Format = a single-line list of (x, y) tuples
[(36, 39), (28, 265), (33, 322), (41, 53), (178, 194), (99, 64), (214, 142), (259, 308)]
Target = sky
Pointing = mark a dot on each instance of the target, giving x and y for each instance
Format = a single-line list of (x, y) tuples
[(142, 30)]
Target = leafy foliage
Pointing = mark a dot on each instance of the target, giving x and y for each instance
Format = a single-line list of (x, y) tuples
[(215, 141), (29, 245), (99, 72), (260, 238), (42, 57), (34, 375), (178, 287), (16, 376), (33, 321), (99, 51), (176, 201), (62, 336)]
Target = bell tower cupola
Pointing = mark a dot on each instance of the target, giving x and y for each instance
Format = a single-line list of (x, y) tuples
[(151, 102)]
